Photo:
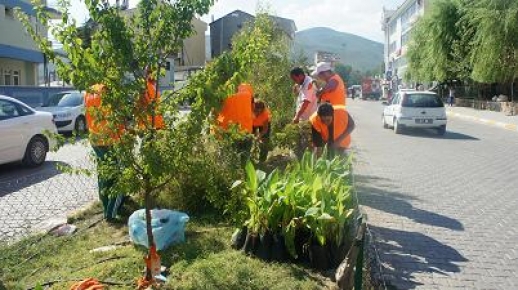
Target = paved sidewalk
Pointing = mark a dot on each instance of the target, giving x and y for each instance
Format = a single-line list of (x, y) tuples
[(497, 119)]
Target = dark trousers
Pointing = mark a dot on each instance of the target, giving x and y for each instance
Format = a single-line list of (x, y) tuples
[(264, 146), (111, 204)]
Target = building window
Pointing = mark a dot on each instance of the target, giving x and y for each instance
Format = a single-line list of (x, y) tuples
[(16, 78), (7, 78), (407, 16), (9, 12)]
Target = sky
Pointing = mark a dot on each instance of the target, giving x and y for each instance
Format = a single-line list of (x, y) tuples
[(360, 17)]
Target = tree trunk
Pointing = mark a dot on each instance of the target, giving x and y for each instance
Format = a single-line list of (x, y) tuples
[(149, 230)]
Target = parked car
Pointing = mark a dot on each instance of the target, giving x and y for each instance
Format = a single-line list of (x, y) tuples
[(23, 133), (68, 109), (415, 109)]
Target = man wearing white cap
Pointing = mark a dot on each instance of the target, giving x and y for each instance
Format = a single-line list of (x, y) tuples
[(334, 92)]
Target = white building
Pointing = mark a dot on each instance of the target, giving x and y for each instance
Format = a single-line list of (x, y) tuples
[(397, 25), (19, 55)]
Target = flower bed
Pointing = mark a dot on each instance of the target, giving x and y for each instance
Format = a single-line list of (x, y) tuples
[(301, 214)]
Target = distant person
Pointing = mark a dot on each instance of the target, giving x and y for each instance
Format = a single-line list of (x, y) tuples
[(262, 128), (451, 97), (334, 91), (332, 127), (306, 97)]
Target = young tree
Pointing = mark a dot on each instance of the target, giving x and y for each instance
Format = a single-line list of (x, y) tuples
[(122, 48)]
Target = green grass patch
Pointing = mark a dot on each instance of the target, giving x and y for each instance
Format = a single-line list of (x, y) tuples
[(205, 261)]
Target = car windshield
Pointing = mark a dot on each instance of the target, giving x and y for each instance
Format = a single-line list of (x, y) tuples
[(422, 101), (64, 100)]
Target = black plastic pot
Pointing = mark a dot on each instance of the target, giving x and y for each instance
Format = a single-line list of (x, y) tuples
[(239, 237), (319, 256), (336, 253), (279, 252), (302, 239), (264, 249), (251, 243)]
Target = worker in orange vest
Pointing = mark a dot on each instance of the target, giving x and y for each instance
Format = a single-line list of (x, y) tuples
[(150, 98), (334, 91), (237, 110), (262, 119), (332, 127), (103, 135)]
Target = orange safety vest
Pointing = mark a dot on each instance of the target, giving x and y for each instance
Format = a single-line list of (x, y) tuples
[(263, 118), (100, 132), (145, 101), (237, 109), (340, 123), (338, 96)]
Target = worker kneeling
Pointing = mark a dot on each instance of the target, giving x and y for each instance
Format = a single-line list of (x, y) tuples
[(331, 127)]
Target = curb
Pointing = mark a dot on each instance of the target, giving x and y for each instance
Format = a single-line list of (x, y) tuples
[(506, 126)]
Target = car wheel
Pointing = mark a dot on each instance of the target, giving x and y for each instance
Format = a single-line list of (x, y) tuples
[(397, 128), (36, 152), (385, 125), (80, 125), (441, 130)]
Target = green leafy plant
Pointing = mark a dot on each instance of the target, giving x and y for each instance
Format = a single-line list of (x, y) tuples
[(312, 195)]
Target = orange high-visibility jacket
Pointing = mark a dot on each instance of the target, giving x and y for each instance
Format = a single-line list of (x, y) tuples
[(338, 96), (146, 100), (263, 118), (101, 133), (340, 123), (237, 109)]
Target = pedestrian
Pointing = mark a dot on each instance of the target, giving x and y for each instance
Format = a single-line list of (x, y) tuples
[(334, 91), (331, 127), (104, 135), (262, 119), (306, 97), (451, 97)]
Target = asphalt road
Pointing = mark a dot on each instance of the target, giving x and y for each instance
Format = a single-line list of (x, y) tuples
[(443, 211)]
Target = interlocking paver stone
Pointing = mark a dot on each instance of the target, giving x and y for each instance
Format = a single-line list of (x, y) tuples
[(441, 210), (28, 197)]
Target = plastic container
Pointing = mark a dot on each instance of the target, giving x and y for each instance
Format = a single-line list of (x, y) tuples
[(168, 227)]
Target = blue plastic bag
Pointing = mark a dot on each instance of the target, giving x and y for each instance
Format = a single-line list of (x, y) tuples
[(168, 227)]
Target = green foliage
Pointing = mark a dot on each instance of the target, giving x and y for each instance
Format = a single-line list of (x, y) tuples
[(494, 55), (313, 194), (353, 76), (466, 39), (206, 169), (294, 137), (431, 51)]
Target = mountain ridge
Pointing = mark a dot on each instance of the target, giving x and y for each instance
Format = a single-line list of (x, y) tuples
[(359, 52)]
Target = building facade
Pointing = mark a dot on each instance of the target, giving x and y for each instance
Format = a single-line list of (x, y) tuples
[(19, 55), (397, 26), (223, 29)]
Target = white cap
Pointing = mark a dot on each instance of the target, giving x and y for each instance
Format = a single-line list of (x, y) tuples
[(322, 67)]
